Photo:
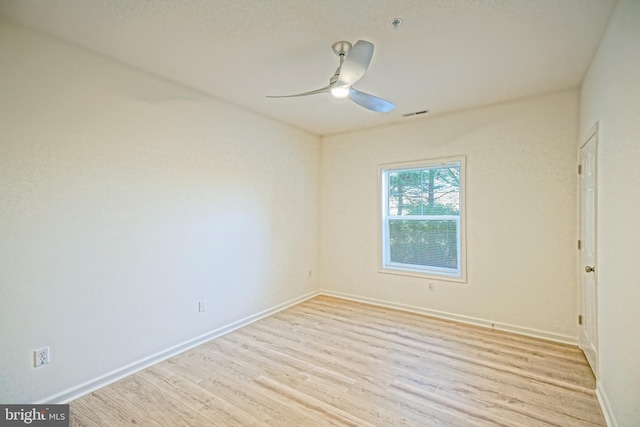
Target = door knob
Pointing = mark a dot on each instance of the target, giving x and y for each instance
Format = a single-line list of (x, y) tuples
[(589, 269)]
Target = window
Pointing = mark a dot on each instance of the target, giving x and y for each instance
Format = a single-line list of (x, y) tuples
[(423, 218)]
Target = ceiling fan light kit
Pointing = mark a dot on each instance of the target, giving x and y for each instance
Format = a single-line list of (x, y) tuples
[(340, 92), (354, 61)]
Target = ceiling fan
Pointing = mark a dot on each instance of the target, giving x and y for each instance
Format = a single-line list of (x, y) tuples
[(354, 61)]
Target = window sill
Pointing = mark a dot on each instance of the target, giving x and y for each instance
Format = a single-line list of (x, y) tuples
[(423, 275)]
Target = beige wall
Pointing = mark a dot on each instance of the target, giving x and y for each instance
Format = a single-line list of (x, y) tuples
[(125, 199), (521, 214), (611, 96)]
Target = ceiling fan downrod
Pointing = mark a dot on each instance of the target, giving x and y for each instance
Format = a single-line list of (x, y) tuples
[(341, 49)]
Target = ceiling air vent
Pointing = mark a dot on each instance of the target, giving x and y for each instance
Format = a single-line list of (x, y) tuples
[(415, 113)]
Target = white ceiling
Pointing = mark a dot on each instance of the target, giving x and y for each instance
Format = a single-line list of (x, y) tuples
[(447, 55)]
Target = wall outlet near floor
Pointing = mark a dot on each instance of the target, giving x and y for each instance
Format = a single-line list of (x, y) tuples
[(202, 306), (310, 273), (41, 357), (432, 287)]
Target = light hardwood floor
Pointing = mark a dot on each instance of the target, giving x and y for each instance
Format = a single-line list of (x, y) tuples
[(329, 361)]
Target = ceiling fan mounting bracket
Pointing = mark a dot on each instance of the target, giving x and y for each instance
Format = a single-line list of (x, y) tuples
[(341, 48)]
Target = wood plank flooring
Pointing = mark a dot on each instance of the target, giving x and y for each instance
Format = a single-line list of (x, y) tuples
[(331, 362)]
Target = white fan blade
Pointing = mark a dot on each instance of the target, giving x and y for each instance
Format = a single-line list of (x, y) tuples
[(355, 63), (313, 92), (371, 102)]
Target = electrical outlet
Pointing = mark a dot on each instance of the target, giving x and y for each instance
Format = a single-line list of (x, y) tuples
[(41, 357), (432, 287), (309, 273), (202, 306)]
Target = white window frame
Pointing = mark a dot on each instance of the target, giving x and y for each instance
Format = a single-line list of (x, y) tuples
[(386, 266)]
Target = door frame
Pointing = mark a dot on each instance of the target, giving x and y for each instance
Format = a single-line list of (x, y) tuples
[(593, 133)]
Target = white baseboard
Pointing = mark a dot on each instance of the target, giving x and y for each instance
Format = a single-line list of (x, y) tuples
[(78, 391), (108, 378), (536, 333), (605, 405)]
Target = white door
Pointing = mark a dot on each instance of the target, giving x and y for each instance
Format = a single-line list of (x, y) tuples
[(588, 248)]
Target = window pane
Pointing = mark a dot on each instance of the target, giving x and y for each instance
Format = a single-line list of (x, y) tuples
[(425, 243), (405, 192), (432, 191)]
